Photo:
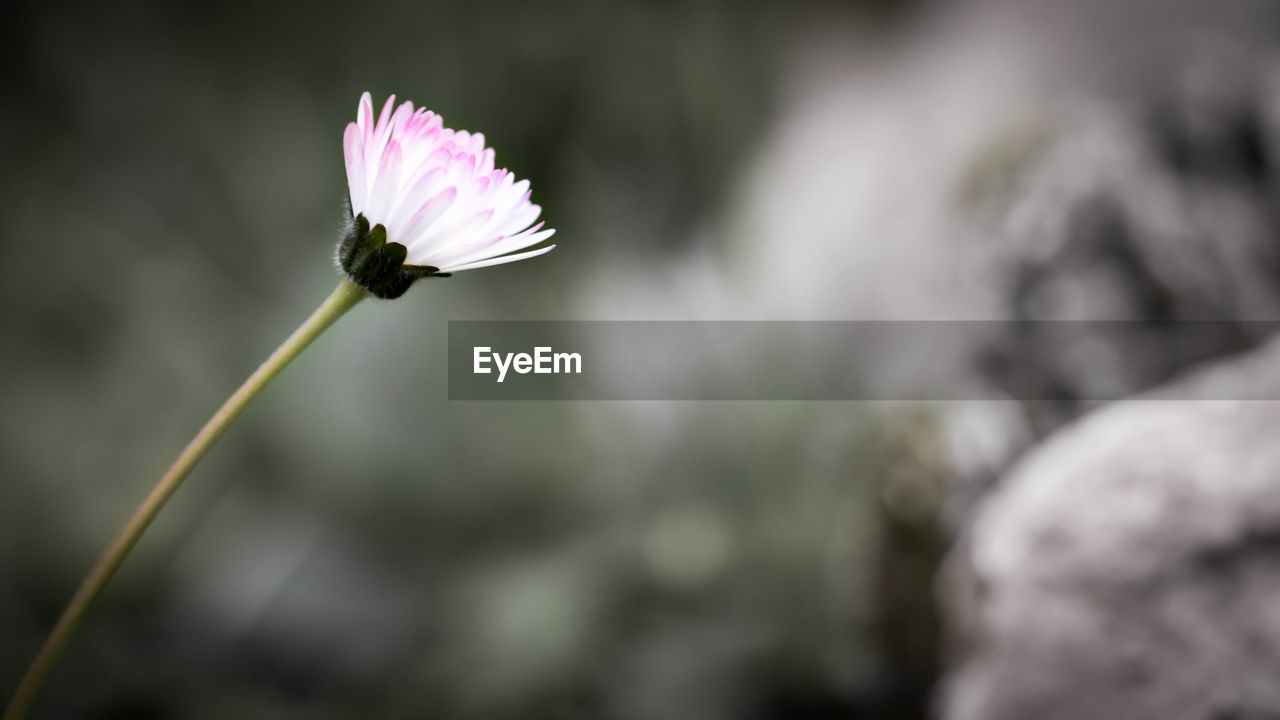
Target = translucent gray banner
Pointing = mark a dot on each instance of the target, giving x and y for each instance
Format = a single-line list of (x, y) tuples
[(855, 360)]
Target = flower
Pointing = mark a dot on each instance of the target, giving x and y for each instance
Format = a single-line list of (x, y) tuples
[(433, 198)]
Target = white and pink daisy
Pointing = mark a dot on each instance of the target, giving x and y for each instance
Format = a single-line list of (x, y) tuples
[(435, 192)]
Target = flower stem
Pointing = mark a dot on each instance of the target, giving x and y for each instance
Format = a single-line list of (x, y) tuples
[(343, 299)]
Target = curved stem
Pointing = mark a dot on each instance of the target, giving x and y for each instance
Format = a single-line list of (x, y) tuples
[(343, 299)]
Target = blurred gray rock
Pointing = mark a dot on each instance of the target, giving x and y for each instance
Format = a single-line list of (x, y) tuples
[(1157, 204), (1154, 210), (1129, 567)]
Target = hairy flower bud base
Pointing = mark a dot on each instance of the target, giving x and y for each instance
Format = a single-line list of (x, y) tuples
[(377, 265)]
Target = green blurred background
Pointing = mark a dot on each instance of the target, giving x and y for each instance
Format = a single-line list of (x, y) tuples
[(358, 546)]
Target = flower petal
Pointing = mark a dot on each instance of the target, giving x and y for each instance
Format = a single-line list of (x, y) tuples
[(364, 113), (353, 152), (423, 220), (411, 201), (499, 246), (385, 185), (499, 260)]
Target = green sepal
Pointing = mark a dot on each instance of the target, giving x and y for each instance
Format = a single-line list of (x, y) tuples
[(377, 265)]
